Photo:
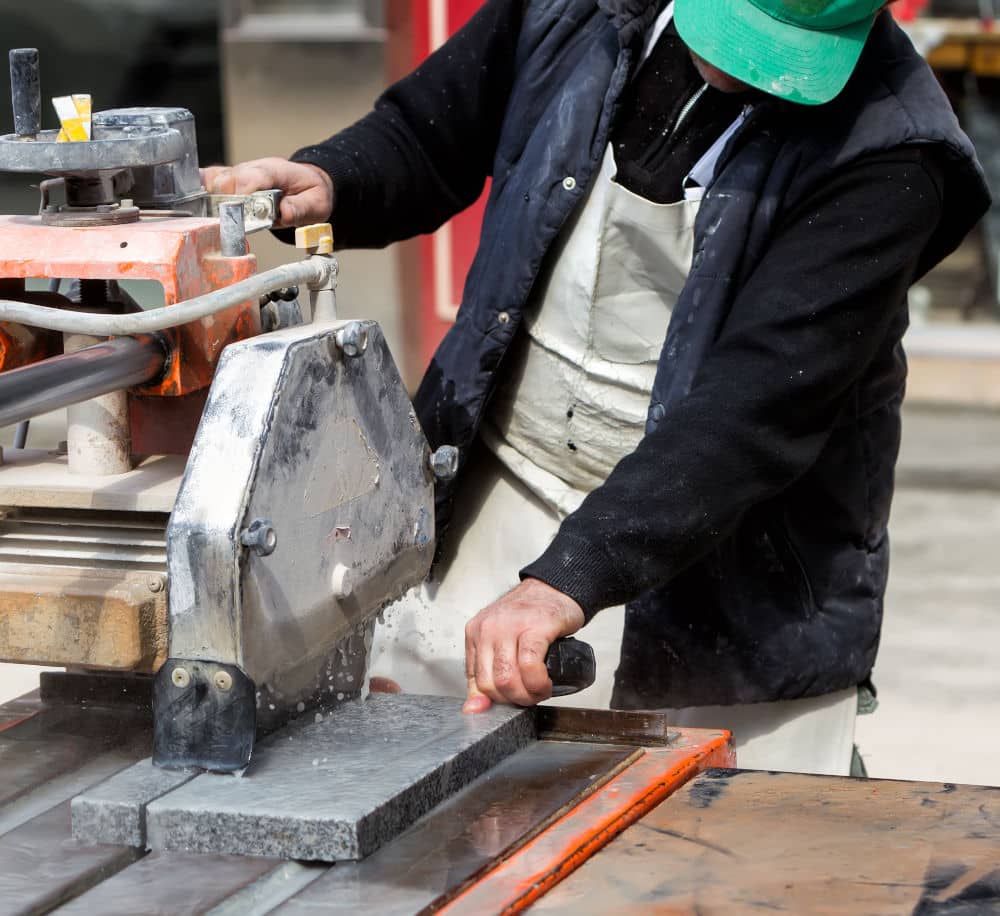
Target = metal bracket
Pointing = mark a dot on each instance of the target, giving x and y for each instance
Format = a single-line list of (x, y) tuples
[(204, 715), (260, 209)]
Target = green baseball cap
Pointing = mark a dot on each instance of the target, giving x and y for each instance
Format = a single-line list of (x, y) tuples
[(800, 50)]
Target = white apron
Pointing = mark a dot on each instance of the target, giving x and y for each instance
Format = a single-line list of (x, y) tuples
[(573, 405)]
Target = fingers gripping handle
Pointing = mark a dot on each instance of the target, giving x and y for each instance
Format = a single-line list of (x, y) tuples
[(571, 666)]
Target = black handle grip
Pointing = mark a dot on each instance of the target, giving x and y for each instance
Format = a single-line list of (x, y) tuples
[(25, 91), (571, 666)]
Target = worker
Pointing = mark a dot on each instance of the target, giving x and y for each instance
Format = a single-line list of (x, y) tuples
[(676, 374)]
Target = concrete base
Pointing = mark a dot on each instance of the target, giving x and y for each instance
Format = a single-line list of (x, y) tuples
[(326, 790)]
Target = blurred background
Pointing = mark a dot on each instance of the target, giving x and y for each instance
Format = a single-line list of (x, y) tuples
[(264, 77)]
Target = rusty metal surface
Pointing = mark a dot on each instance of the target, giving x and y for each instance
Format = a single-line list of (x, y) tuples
[(96, 618), (459, 839), (14, 711), (181, 254), (617, 726), (21, 345), (742, 841)]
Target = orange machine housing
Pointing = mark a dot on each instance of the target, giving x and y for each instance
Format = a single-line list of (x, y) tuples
[(179, 253)]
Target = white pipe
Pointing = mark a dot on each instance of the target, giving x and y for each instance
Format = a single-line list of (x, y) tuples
[(313, 272), (98, 433)]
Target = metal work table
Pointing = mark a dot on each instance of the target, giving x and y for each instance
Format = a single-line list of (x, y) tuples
[(496, 845)]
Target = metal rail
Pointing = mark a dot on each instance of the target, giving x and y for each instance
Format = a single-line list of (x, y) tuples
[(74, 377)]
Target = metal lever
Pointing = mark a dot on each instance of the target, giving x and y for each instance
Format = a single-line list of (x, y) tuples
[(571, 666), (25, 92)]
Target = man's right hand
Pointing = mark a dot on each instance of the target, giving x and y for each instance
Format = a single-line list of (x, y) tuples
[(307, 191)]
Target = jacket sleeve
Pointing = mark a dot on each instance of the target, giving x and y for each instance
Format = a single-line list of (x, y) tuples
[(423, 154), (801, 333)]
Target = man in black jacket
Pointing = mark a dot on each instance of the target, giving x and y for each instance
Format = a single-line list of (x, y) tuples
[(680, 337)]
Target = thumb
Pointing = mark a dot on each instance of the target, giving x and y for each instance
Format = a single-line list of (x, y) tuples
[(313, 205), (476, 701)]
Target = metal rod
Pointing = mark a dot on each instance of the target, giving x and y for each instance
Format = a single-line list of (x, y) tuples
[(21, 434), (315, 272), (75, 377), (232, 232)]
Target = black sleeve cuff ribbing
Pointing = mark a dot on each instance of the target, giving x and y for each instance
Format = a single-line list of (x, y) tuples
[(577, 568)]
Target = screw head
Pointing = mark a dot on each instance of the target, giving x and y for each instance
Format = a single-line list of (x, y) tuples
[(352, 339), (223, 680), (180, 677), (155, 583), (444, 462)]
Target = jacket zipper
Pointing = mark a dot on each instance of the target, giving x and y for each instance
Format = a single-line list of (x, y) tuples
[(685, 111)]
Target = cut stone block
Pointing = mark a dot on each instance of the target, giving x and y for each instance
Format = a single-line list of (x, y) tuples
[(339, 787), (115, 810)]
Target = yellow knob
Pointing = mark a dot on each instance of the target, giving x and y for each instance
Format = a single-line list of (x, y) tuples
[(318, 238)]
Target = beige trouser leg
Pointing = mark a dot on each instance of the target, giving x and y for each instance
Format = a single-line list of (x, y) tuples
[(421, 643)]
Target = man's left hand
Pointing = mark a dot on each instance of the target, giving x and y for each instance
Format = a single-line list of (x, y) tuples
[(506, 643)]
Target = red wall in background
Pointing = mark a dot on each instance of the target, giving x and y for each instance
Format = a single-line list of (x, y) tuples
[(433, 268)]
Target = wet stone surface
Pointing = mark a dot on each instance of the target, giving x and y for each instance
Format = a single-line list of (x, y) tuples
[(115, 810), (335, 787)]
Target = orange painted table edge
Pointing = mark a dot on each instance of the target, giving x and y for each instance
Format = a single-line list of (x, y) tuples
[(519, 880)]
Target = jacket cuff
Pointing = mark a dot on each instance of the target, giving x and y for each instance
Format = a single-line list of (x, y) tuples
[(577, 568)]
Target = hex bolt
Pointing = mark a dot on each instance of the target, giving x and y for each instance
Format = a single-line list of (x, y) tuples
[(260, 207), (444, 462), (260, 537), (180, 677), (223, 680), (352, 338)]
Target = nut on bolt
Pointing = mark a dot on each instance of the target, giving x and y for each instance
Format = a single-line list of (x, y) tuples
[(444, 462), (352, 338), (260, 537)]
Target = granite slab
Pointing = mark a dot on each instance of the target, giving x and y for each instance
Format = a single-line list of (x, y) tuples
[(332, 788), (431, 862), (115, 810)]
